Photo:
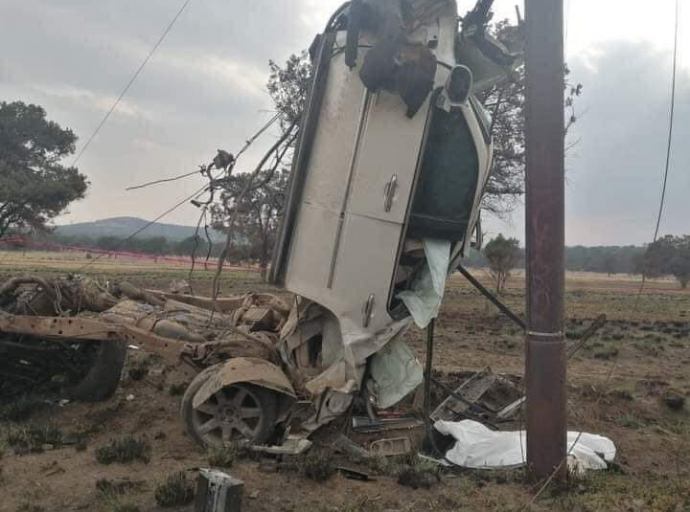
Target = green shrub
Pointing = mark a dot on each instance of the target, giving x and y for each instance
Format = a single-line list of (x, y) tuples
[(21, 408), (175, 491), (123, 450), (32, 438), (317, 466)]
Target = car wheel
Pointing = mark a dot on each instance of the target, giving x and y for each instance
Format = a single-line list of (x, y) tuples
[(103, 375), (240, 412)]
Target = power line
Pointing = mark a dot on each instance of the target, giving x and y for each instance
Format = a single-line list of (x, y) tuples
[(251, 139), (164, 180), (247, 143), (202, 190), (131, 81), (670, 125), (662, 200)]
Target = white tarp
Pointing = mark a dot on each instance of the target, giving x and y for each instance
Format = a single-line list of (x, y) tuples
[(478, 447), (396, 372), (424, 299)]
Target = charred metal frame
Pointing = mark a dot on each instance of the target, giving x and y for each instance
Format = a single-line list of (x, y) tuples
[(86, 330)]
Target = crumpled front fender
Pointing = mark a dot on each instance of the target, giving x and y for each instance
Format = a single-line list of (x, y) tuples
[(250, 370)]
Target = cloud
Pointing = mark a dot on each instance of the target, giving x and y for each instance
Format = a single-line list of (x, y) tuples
[(243, 78), (205, 89), (99, 102), (615, 171)]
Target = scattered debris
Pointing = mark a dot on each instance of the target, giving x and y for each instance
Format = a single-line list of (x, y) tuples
[(511, 410), (390, 447), (219, 492), (345, 445), (367, 425), (355, 474), (291, 446), (482, 396)]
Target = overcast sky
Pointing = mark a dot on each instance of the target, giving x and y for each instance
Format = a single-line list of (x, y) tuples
[(205, 89)]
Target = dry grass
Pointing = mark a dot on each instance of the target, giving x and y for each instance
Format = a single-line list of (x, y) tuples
[(124, 450), (652, 353)]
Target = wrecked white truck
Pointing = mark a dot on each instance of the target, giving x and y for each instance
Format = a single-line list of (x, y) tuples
[(387, 180)]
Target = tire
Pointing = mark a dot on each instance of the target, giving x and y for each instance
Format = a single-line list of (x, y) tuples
[(257, 400), (103, 377)]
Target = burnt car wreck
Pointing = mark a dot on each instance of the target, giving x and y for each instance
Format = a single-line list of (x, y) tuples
[(393, 157)]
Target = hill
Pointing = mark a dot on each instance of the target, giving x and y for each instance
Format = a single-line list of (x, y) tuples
[(122, 227)]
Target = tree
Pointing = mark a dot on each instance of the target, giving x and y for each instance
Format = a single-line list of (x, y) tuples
[(108, 242), (157, 245), (669, 255), (610, 264), (503, 254), (505, 103), (249, 204), (195, 244), (289, 85), (34, 186), (257, 211)]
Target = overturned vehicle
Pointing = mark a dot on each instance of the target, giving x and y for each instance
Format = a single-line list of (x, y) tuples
[(387, 180)]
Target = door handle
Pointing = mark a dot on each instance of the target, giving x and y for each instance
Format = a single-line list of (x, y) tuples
[(389, 193), (367, 309)]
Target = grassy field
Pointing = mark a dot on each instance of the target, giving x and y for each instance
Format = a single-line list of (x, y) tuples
[(619, 385)]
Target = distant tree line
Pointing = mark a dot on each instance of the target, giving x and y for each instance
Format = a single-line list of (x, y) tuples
[(602, 259), (668, 256), (243, 251)]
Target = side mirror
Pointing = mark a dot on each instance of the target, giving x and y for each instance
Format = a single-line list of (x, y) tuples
[(459, 85)]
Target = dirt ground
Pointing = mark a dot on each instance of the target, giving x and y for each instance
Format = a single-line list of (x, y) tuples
[(618, 386)]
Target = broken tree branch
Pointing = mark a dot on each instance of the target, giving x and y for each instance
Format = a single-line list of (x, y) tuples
[(231, 223)]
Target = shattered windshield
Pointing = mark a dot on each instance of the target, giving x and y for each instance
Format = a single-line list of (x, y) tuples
[(448, 179)]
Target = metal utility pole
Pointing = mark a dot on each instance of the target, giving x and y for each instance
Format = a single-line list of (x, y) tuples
[(545, 349)]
